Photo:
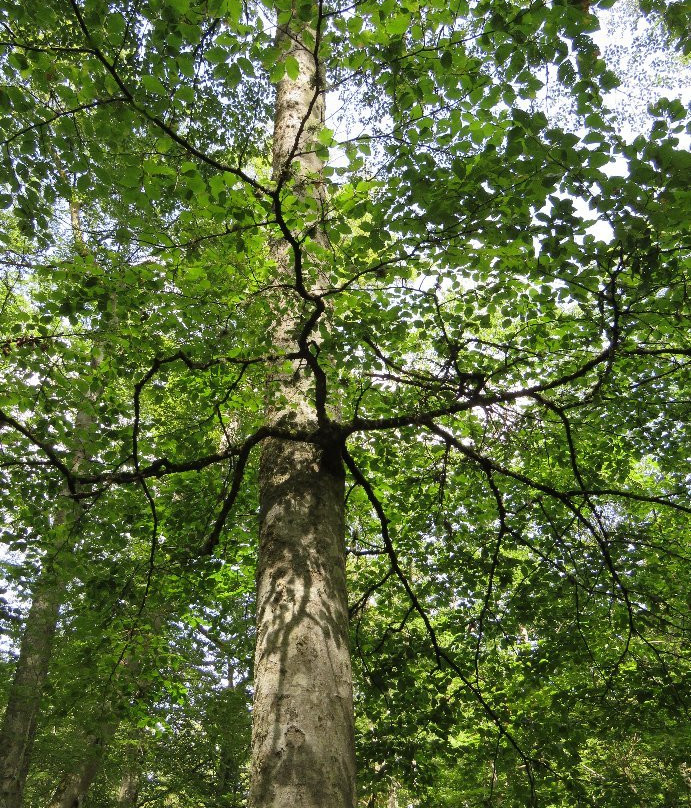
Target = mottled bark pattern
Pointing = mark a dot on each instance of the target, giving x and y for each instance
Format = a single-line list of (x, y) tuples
[(302, 733), (302, 736), (295, 100)]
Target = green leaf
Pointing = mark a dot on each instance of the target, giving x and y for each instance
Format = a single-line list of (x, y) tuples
[(325, 136), (164, 144), (398, 24), (277, 72), (216, 55), (153, 85), (292, 67)]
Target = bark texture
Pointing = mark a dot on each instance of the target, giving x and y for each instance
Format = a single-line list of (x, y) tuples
[(302, 736), (19, 724), (74, 786), (302, 741)]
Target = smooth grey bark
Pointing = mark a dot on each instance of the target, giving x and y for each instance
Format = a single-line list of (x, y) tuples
[(302, 735)]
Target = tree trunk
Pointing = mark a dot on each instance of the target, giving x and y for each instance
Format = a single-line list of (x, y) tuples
[(302, 735), (131, 779), (128, 793), (36, 647), (72, 789), (74, 786), (302, 740), (26, 690), (392, 802), (35, 652)]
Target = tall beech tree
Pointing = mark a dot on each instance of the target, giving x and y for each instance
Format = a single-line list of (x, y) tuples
[(372, 285)]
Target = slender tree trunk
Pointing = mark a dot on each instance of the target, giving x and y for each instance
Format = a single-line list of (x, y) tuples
[(302, 736), (131, 778), (19, 724), (36, 647), (392, 802), (35, 652), (228, 771), (74, 786), (128, 793)]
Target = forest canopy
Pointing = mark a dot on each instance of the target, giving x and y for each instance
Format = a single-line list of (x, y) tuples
[(344, 404)]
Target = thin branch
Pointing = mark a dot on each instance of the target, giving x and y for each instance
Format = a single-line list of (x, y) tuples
[(440, 654), (155, 119)]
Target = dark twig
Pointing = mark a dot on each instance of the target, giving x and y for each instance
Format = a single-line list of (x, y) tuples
[(440, 654)]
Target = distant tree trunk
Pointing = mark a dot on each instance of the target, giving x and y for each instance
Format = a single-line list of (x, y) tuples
[(36, 647), (19, 724), (35, 652), (302, 735), (128, 793), (131, 779), (228, 769), (74, 786), (392, 802)]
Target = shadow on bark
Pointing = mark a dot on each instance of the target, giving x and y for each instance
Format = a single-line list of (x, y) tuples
[(303, 733)]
